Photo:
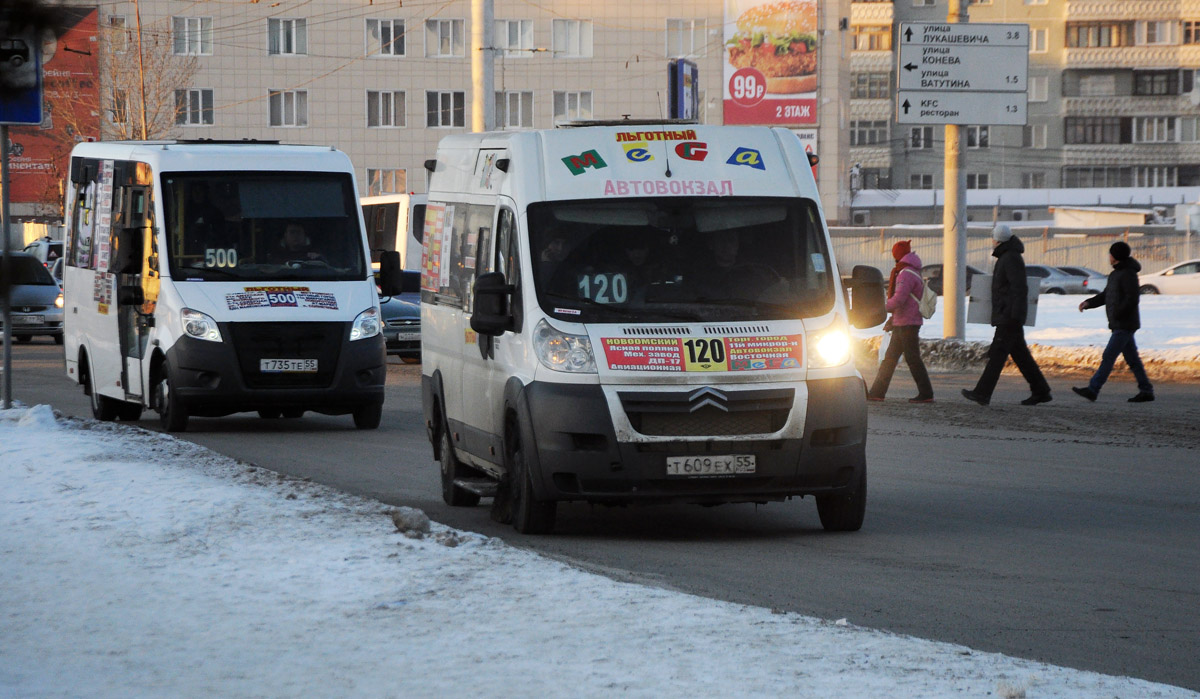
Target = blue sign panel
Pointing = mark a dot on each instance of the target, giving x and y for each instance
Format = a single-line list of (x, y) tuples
[(683, 89), (20, 80)]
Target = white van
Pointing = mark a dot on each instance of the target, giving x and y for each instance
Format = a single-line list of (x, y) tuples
[(394, 222), (638, 314), (210, 278)]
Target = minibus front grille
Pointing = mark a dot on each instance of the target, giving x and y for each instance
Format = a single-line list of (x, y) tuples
[(667, 332), (708, 411), (736, 330), (257, 341)]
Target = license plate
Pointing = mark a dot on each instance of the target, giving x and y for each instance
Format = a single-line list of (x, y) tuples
[(730, 465), (408, 337), (28, 320), (289, 366)]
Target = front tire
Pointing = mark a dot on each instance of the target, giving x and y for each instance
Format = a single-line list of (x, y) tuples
[(1056, 291), (172, 415), (58, 339), (129, 412), (367, 417), (103, 407), (452, 468), (844, 512), (1149, 290), (530, 515)]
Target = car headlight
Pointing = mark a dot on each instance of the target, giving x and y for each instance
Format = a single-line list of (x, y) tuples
[(829, 346), (562, 351), (199, 325), (58, 302), (366, 325)]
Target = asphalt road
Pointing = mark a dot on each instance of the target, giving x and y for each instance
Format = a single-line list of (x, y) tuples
[(1066, 533)]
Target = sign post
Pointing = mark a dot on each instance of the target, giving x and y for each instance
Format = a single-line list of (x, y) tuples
[(956, 73)]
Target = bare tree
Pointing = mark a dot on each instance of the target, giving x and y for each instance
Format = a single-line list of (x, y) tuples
[(162, 76)]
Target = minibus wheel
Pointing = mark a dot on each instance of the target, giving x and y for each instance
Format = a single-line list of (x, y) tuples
[(171, 414), (129, 412), (365, 418), (530, 516), (452, 468), (103, 407), (844, 512)]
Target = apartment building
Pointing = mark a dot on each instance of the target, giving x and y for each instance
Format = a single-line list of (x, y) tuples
[(1113, 99), (384, 81)]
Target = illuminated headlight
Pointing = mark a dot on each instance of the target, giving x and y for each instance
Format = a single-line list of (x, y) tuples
[(562, 351), (58, 302), (829, 347), (200, 326), (365, 325)]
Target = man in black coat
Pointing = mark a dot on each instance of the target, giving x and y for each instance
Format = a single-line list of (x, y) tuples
[(1120, 300), (1010, 304)]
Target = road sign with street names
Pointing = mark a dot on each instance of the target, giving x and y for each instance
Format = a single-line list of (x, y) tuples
[(962, 73)]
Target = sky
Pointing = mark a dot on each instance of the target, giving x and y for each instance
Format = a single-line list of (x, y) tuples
[(136, 563)]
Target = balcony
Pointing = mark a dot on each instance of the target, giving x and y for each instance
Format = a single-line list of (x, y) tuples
[(872, 62), (1097, 10), (871, 13), (1140, 57), (877, 109), (1127, 105)]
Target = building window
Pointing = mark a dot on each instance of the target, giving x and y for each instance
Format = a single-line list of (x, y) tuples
[(571, 38), (444, 38), (1097, 177), (979, 2), (876, 178), (194, 107), (917, 181), (118, 34), (514, 37), (1039, 88), (445, 109), (1191, 31), (1034, 136), (1155, 176), (1087, 35), (924, 3), (1037, 40), (572, 105), (868, 133), (288, 107), (1156, 82), (1157, 33), (287, 37), (977, 137), (386, 182), (385, 109), (921, 138), (514, 110), (1092, 130), (687, 37), (119, 114), (871, 86), (978, 180), (1035, 2), (1154, 130), (1033, 180), (1104, 85), (871, 37), (192, 36), (385, 37)]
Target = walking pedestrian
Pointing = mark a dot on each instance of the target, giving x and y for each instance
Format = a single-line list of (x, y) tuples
[(1010, 305), (1120, 299), (904, 288)]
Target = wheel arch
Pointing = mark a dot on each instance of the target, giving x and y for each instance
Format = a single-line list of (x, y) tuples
[(518, 429)]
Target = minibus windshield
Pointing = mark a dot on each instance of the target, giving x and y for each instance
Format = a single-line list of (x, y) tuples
[(672, 259), (262, 226)]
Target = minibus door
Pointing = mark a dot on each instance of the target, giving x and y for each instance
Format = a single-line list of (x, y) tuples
[(135, 262)]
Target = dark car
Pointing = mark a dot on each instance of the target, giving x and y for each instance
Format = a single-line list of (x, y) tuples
[(37, 302), (932, 274), (402, 320)]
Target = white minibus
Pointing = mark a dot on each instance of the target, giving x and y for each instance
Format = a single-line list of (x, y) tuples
[(395, 222), (639, 313), (209, 278)]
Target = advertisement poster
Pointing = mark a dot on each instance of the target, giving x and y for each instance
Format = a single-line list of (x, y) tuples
[(70, 113), (771, 60)]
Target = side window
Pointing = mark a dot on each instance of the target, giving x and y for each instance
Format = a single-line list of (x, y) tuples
[(505, 250)]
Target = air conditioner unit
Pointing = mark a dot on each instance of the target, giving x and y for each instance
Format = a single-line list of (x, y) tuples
[(1020, 214), (861, 218)]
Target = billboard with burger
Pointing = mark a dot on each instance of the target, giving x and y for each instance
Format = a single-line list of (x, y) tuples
[(771, 62)]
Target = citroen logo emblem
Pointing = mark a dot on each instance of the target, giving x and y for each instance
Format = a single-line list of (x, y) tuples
[(708, 396)]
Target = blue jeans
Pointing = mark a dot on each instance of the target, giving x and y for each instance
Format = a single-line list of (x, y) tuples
[(1121, 343)]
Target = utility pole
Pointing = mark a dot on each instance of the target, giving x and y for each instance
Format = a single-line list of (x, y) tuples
[(5, 273), (137, 11), (483, 97), (954, 218)]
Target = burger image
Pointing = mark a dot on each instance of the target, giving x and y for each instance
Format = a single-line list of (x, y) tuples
[(780, 40)]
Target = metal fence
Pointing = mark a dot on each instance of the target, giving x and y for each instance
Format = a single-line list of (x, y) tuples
[(1155, 247)]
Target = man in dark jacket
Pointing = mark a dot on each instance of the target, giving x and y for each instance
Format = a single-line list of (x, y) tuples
[(1120, 300), (1010, 304)]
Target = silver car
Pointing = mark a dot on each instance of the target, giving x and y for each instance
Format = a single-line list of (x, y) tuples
[(1055, 281), (37, 302), (1093, 282)]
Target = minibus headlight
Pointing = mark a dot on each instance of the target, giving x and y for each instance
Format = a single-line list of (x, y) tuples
[(562, 351), (58, 302), (365, 325), (200, 326), (830, 346)]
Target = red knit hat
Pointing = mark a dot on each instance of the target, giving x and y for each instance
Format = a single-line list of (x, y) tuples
[(901, 249)]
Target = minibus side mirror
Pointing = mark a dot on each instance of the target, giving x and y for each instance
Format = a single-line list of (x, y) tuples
[(391, 280), (492, 294), (867, 299), (131, 296)]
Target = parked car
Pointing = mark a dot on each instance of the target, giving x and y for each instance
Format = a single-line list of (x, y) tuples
[(1183, 278), (37, 302), (1054, 280), (402, 320), (1093, 281), (45, 250), (56, 270), (932, 274)]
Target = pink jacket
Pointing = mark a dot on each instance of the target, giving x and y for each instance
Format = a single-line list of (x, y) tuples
[(903, 303)]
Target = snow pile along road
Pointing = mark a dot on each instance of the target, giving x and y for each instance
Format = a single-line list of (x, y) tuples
[(138, 564)]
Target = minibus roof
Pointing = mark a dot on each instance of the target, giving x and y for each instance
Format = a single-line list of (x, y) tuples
[(216, 156)]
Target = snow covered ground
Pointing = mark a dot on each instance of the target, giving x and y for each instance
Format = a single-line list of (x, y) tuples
[(136, 564)]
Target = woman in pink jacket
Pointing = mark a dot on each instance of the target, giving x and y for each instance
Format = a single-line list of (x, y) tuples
[(904, 289)]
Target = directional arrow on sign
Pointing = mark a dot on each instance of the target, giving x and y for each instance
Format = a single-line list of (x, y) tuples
[(906, 105), (908, 34), (910, 66)]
